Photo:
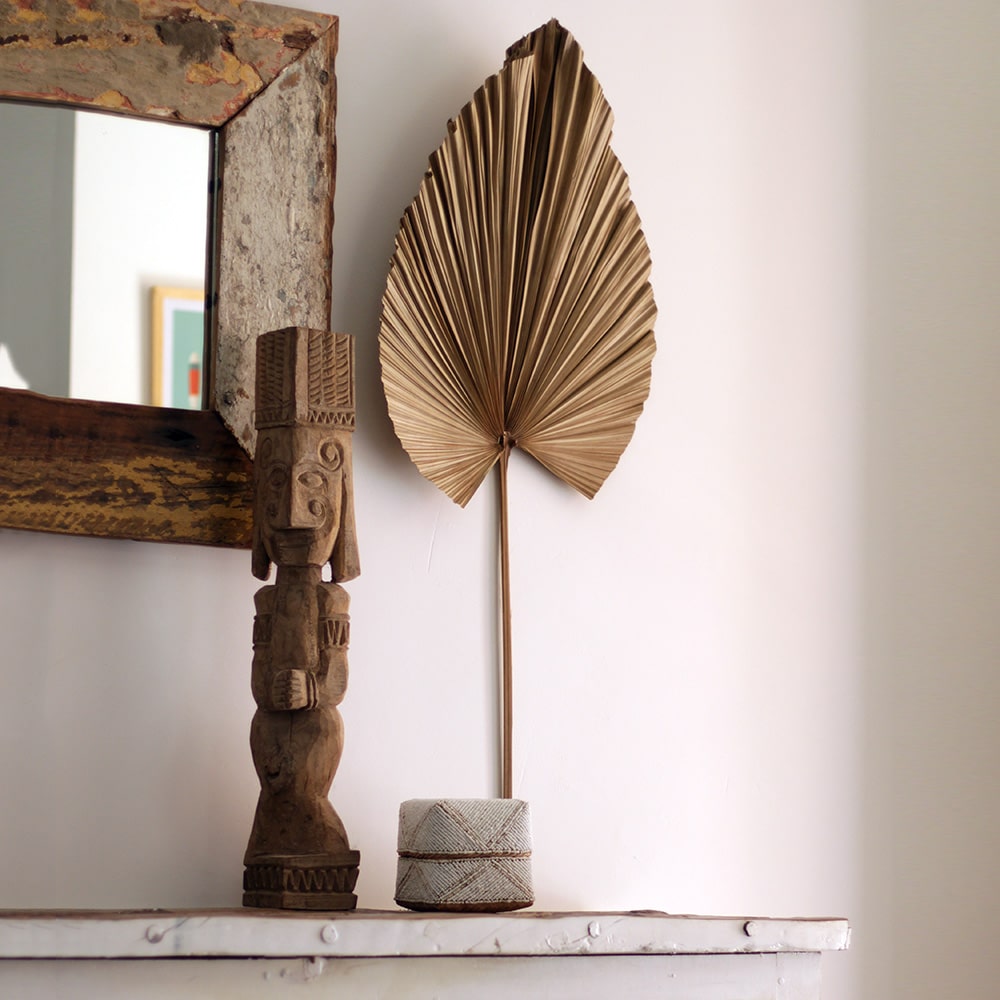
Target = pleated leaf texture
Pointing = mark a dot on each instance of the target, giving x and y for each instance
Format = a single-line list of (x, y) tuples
[(518, 309)]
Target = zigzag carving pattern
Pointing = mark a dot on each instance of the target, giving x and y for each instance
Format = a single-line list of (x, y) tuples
[(281, 878), (337, 417)]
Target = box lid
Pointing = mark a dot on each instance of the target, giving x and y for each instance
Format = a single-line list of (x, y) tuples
[(463, 827)]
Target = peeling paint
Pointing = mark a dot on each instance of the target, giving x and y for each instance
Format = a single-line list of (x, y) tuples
[(233, 72), (168, 113), (251, 78), (89, 16), (113, 99), (25, 15), (232, 68)]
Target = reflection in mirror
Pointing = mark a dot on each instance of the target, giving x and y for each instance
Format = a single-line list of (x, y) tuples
[(98, 211)]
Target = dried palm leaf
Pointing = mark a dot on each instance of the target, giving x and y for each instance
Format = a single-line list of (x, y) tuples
[(518, 310)]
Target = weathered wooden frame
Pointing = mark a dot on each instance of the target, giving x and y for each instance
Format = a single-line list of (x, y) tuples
[(262, 79)]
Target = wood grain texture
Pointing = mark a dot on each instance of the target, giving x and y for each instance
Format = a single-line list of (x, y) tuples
[(274, 253), (109, 469), (298, 855), (187, 61)]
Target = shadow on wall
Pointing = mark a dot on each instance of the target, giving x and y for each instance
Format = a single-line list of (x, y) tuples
[(932, 502), (10, 377)]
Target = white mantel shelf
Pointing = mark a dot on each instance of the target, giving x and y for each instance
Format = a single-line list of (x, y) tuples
[(268, 954), (396, 934)]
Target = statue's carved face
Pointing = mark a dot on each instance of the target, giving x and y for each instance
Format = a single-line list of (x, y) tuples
[(299, 472)]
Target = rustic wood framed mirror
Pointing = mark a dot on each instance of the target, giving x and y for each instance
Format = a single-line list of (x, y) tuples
[(261, 79)]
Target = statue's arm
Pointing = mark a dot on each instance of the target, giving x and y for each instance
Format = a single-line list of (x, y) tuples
[(260, 670), (334, 636)]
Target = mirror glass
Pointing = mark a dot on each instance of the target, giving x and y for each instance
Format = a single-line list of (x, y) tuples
[(102, 255)]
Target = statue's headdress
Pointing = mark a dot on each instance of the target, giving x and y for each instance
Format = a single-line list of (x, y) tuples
[(305, 378)]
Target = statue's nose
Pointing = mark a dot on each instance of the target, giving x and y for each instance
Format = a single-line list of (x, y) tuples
[(302, 505), (298, 506)]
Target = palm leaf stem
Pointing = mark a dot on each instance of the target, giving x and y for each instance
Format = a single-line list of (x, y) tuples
[(507, 669)]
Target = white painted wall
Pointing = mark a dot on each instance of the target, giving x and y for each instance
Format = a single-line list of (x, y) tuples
[(757, 674)]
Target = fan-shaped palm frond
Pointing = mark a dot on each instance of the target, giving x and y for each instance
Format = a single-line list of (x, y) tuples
[(518, 310)]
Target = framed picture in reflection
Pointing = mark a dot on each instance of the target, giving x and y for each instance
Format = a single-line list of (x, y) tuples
[(177, 347)]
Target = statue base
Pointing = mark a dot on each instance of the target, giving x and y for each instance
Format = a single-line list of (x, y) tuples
[(302, 882)]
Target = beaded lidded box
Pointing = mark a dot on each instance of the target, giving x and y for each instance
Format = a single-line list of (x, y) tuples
[(464, 855)]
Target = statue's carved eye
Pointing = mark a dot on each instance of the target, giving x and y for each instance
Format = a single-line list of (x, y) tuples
[(330, 454), (312, 480), (277, 477)]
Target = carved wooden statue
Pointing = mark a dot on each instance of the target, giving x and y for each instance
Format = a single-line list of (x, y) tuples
[(298, 856)]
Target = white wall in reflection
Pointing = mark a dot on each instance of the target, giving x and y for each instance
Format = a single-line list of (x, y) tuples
[(96, 210), (140, 207)]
